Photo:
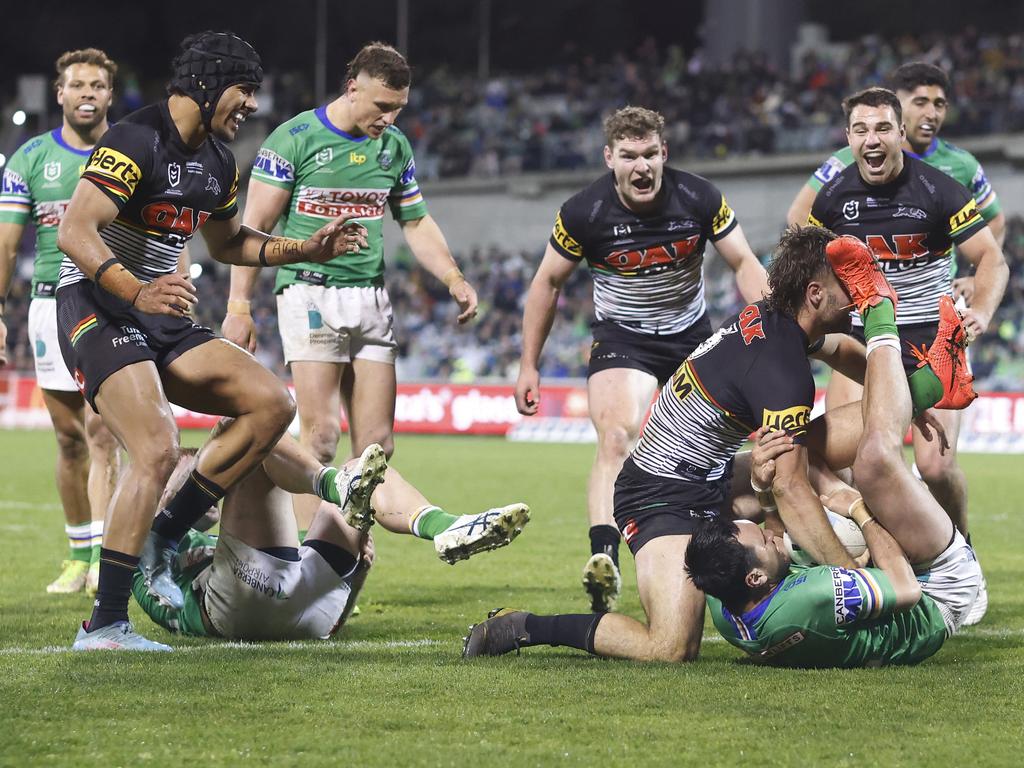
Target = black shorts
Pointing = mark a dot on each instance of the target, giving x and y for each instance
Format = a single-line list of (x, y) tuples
[(648, 507), (916, 334), (616, 346), (100, 334)]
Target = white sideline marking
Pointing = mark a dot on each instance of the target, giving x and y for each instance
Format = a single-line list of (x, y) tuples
[(27, 505)]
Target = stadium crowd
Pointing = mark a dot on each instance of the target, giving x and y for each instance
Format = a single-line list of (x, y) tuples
[(432, 347)]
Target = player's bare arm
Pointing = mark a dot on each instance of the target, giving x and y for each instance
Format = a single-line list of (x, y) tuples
[(264, 205), (79, 238), (845, 354), (801, 510), (886, 553), (230, 242), (751, 278), (10, 236), (538, 316), (800, 208), (427, 243), (990, 278)]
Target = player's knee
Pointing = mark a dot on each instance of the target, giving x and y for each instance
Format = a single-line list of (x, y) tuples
[(323, 440), (615, 442), (675, 650), (878, 456), (103, 446), (937, 469), (277, 410), (71, 446), (156, 461)]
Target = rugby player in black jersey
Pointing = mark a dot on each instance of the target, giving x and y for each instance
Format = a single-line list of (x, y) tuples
[(911, 215), (642, 229), (753, 372), (124, 314)]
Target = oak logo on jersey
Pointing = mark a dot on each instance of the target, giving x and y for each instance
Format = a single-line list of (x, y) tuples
[(51, 171), (565, 240), (169, 218), (750, 324), (113, 165), (908, 246), (658, 255), (792, 420)]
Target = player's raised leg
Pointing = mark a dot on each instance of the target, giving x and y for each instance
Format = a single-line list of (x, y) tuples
[(618, 399)]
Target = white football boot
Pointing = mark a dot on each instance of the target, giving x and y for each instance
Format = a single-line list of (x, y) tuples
[(488, 530), (355, 482)]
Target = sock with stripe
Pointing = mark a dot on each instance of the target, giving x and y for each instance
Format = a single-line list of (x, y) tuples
[(111, 606), (324, 486), (78, 541), (189, 504), (429, 521), (95, 540), (605, 539)]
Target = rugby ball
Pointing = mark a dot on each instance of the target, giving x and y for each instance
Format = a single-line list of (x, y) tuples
[(847, 531)]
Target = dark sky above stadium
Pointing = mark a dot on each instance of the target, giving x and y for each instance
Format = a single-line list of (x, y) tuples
[(527, 33)]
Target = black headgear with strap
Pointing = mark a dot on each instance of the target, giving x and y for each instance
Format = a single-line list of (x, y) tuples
[(209, 64)]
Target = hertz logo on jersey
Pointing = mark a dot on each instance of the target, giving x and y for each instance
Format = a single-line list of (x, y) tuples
[(565, 240), (963, 218), (113, 170), (792, 420)]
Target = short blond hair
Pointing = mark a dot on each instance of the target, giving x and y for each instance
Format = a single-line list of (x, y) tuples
[(93, 56), (633, 123)]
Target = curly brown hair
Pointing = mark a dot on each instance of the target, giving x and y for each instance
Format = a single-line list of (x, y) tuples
[(93, 56), (798, 259), (381, 62), (632, 123)]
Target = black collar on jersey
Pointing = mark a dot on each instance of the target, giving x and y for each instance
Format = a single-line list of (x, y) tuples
[(209, 64)]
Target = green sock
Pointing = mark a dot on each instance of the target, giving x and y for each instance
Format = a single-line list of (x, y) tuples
[(302, 534), (79, 553), (325, 487), (879, 320), (94, 556), (432, 521), (925, 389)]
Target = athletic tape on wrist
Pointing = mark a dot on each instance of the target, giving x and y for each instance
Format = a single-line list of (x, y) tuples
[(452, 276)]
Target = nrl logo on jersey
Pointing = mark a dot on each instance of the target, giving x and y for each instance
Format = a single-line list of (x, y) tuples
[(173, 174), (324, 156), (851, 209), (51, 171)]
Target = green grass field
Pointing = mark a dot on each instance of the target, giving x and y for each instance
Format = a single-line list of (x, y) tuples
[(393, 690)]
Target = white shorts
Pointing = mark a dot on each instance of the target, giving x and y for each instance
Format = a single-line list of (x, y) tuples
[(336, 325), (51, 371), (250, 595), (952, 581)]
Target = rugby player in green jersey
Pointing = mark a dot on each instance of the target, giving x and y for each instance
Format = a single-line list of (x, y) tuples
[(925, 576), (335, 319), (923, 91), (37, 185)]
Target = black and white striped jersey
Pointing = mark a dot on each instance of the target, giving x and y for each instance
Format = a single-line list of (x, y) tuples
[(647, 269), (752, 372), (910, 224), (164, 191)]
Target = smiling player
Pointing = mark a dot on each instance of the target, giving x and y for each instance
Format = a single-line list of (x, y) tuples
[(642, 229)]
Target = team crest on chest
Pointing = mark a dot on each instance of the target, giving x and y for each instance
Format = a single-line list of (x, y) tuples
[(324, 156), (173, 174), (51, 171), (212, 185), (384, 159), (851, 209)]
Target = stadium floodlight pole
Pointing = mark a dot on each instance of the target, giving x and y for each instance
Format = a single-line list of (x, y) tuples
[(320, 64)]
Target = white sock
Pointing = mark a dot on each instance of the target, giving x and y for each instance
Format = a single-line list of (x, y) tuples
[(885, 340)]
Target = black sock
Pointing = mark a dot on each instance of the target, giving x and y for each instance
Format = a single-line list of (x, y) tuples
[(575, 630), (116, 571), (341, 560), (605, 539), (190, 503)]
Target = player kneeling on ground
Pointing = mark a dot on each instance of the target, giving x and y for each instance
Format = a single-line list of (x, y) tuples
[(926, 576)]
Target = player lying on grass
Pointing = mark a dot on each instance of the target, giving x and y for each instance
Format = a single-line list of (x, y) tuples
[(751, 373), (925, 576), (257, 581)]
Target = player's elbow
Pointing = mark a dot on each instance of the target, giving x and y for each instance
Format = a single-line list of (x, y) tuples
[(907, 594)]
